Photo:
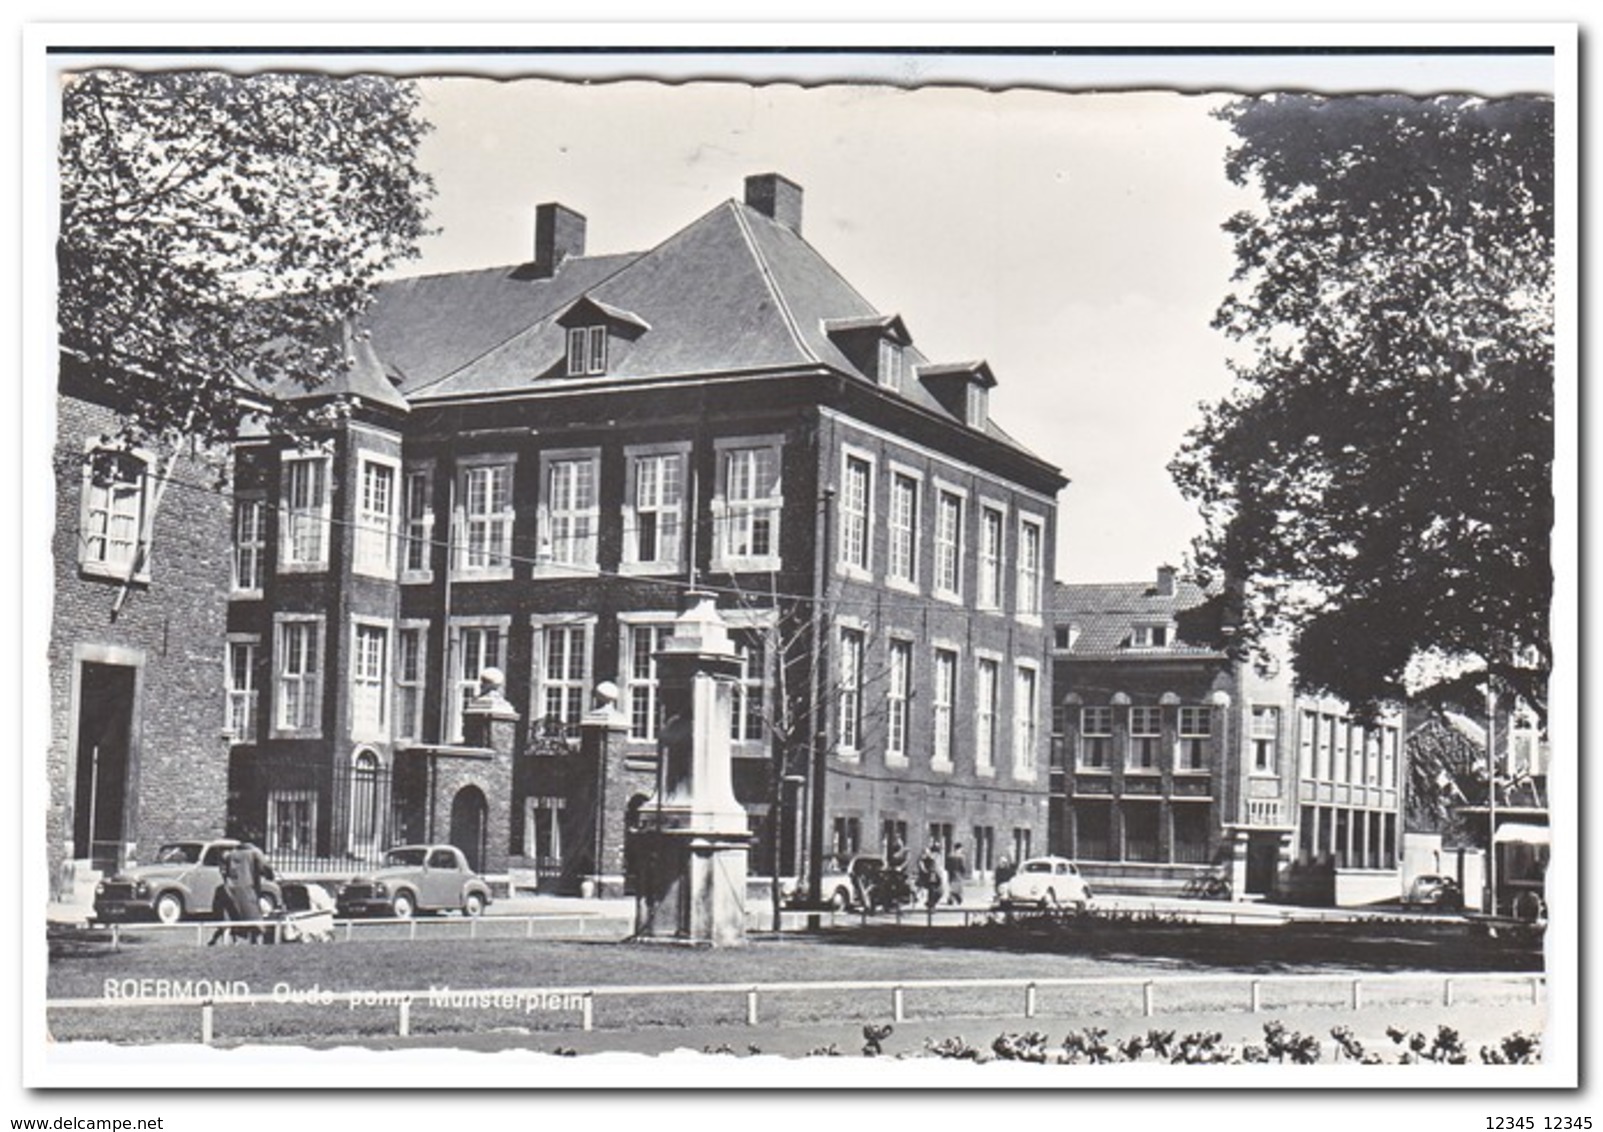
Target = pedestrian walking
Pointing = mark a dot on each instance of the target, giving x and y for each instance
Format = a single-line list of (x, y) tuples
[(244, 867), (956, 873)]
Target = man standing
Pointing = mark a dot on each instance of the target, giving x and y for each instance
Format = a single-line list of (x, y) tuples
[(956, 871), (244, 868)]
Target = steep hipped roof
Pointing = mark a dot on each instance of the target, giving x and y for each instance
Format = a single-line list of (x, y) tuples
[(1102, 618), (734, 291)]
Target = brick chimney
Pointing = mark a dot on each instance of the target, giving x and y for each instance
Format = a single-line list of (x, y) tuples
[(776, 198), (558, 234), (1166, 581)]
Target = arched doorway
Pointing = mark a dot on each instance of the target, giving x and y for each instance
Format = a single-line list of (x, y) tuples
[(367, 804), (469, 821)]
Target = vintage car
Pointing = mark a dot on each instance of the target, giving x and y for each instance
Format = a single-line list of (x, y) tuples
[(183, 882), (1045, 882), (412, 879), (1432, 891), (862, 882)]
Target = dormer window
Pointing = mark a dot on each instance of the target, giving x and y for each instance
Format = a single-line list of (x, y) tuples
[(976, 405), (587, 350), (890, 365), (1153, 636)]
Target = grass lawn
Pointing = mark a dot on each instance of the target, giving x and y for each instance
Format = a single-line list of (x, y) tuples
[(1089, 947)]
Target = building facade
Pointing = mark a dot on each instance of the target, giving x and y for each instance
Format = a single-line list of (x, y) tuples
[(1173, 760), (137, 750), (535, 463)]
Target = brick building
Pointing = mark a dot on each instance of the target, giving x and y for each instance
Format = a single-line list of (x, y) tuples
[(536, 461), (137, 751), (1172, 760)]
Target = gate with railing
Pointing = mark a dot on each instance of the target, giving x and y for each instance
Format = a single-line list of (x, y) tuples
[(309, 815)]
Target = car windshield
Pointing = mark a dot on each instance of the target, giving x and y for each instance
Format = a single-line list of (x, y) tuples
[(179, 853), (1036, 867), (409, 856)]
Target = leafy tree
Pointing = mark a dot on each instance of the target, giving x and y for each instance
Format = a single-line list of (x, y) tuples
[(216, 228), (1379, 479)]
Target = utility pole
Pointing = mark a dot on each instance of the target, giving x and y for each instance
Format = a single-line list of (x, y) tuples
[(1491, 798)]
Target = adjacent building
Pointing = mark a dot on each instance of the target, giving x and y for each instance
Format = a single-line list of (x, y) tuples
[(137, 754), (533, 463), (1172, 759)]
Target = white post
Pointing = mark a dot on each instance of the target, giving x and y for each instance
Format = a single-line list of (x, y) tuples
[(1146, 999), (1358, 995), (588, 1010), (1029, 1000), (751, 1007), (405, 1027), (1257, 996), (206, 1024), (896, 1004)]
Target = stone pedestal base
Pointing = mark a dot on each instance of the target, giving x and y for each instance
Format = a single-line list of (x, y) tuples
[(691, 887)]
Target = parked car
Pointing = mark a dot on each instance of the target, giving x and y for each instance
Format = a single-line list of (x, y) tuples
[(1045, 882), (412, 879), (1432, 891), (862, 882), (181, 883)]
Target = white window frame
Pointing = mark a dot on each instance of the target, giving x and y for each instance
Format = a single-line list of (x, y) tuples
[(465, 685), (990, 584), (976, 404), (1145, 723), (276, 800), (370, 692), (250, 546), (587, 350), (634, 509), (986, 710), (904, 544), (374, 542), (114, 501), (504, 521), (851, 661), (414, 686), (1027, 582), (417, 522), (898, 700), (855, 551), (1186, 736), (730, 516), (943, 592), (244, 697), (641, 687), (1103, 733), (582, 549), (741, 716), (312, 520), (943, 697), (890, 365), (545, 628), (1146, 634), (1026, 719), (1264, 727), (309, 681)]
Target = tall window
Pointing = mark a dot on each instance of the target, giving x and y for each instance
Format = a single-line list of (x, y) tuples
[(852, 646), (306, 511), (291, 821), (1196, 728), (369, 676), (477, 647), (1265, 739), (897, 695), (747, 719), (750, 507), (113, 511), (418, 523), (1146, 735), (486, 510), (299, 656), (991, 558), (250, 544), (564, 673), (587, 350), (1096, 737), (658, 510), (945, 700), (890, 364), (903, 564), (949, 543), (645, 641), (855, 494), (845, 838), (987, 679), (572, 512), (1026, 721), (242, 691), (409, 682), (375, 520), (1029, 595)]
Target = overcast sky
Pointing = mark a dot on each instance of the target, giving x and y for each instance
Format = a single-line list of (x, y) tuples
[(1071, 239)]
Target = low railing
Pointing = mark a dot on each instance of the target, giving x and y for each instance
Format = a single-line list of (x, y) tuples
[(584, 998)]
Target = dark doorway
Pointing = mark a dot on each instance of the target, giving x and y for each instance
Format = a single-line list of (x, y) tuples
[(105, 738), (1263, 856), (469, 813)]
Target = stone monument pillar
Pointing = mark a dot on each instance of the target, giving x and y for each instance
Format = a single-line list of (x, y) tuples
[(692, 873)]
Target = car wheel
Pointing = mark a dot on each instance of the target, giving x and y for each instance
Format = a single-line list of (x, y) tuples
[(169, 908), (266, 905), (840, 900), (403, 906), (473, 905)]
